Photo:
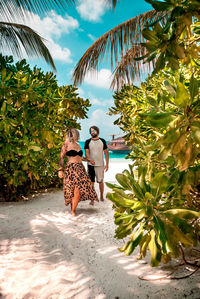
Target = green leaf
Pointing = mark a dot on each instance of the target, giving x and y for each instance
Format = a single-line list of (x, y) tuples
[(170, 137), (144, 244), (150, 35), (179, 144), (3, 73), (154, 249), (161, 232), (160, 63), (182, 98), (160, 6), (35, 148), (151, 47), (158, 120), (183, 213), (123, 181), (120, 200), (172, 242), (123, 248), (123, 231), (112, 186), (137, 190), (123, 218), (170, 88), (3, 108), (133, 244), (159, 184), (193, 87), (196, 134)]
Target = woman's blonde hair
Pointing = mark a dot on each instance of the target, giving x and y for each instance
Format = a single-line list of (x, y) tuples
[(72, 135)]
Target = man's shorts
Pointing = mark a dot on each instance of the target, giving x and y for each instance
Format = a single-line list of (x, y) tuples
[(96, 171)]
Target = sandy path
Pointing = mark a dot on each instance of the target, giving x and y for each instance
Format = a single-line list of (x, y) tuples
[(47, 254)]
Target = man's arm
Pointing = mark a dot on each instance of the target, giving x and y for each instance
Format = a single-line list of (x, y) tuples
[(107, 159), (87, 154)]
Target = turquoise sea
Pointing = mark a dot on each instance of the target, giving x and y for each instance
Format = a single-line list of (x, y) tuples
[(112, 155)]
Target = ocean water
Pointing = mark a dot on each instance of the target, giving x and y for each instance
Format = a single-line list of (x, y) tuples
[(112, 155)]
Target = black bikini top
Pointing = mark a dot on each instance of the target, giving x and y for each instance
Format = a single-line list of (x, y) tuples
[(73, 153)]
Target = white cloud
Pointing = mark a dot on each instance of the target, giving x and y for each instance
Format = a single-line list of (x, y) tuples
[(81, 92), (58, 53), (95, 101), (92, 37), (100, 79), (100, 119), (51, 27), (101, 102), (52, 24), (92, 10)]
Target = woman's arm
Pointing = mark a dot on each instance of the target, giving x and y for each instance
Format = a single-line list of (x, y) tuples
[(62, 156), (86, 159), (87, 154)]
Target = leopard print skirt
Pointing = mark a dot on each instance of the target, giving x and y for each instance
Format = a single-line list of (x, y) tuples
[(75, 176)]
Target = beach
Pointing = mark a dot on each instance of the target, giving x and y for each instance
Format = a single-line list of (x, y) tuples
[(45, 253)]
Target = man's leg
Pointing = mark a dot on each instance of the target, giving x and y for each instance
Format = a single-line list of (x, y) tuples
[(101, 188), (91, 173), (99, 171)]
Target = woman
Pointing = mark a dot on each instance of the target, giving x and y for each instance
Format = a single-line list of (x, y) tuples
[(76, 183)]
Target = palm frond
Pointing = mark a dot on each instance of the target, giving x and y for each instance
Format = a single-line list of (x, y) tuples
[(113, 3), (10, 8), (116, 42), (128, 69), (15, 37)]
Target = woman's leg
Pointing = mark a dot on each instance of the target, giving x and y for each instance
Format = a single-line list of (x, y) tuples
[(75, 201)]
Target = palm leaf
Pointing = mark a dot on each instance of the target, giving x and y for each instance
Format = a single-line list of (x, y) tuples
[(112, 3), (10, 8), (129, 69), (15, 37), (117, 42)]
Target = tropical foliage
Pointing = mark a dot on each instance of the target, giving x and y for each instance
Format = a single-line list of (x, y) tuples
[(34, 114), (177, 39), (17, 37), (157, 201), (162, 36)]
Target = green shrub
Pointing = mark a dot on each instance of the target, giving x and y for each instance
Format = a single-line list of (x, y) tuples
[(158, 205), (34, 114)]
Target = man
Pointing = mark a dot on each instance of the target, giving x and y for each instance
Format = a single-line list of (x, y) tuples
[(95, 147)]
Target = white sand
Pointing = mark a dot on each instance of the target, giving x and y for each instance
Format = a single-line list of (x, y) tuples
[(47, 254)]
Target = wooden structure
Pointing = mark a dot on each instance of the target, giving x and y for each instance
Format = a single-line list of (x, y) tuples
[(118, 145)]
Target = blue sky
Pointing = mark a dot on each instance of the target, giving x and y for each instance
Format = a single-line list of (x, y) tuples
[(69, 34)]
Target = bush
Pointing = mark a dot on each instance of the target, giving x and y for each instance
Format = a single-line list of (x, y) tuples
[(158, 205), (34, 114)]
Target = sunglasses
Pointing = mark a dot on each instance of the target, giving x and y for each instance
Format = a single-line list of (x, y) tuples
[(92, 131)]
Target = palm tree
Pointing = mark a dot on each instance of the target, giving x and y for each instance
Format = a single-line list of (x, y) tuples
[(125, 44), (14, 37), (173, 38), (17, 36)]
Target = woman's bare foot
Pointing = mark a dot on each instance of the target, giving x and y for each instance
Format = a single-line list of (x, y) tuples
[(102, 199), (92, 202), (73, 214)]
